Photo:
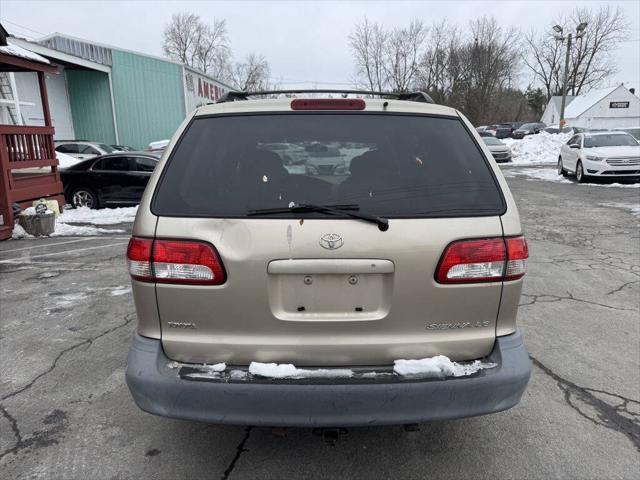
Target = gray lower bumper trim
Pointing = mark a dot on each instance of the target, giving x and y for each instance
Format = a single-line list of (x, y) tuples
[(159, 390)]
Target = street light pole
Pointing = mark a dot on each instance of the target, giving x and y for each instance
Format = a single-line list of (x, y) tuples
[(564, 82), (579, 34)]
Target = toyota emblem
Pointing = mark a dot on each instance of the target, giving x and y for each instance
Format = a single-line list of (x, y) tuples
[(331, 241)]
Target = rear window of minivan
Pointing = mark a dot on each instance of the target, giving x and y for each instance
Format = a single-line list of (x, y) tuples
[(391, 165)]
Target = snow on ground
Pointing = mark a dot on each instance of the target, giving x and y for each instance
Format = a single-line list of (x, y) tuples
[(121, 290), (66, 223), (80, 222), (438, 366), (542, 148), (66, 230), (634, 209), (548, 174), (551, 175), (19, 232), (287, 370), (104, 216)]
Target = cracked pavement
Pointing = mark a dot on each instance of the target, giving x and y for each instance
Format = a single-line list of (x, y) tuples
[(66, 322)]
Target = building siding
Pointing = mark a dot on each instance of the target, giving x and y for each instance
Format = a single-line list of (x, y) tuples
[(90, 100), (148, 97)]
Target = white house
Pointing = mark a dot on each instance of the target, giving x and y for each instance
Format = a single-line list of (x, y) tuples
[(603, 108), (551, 115)]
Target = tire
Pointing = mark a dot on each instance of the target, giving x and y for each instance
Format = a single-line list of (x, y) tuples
[(580, 176), (561, 170), (84, 197)]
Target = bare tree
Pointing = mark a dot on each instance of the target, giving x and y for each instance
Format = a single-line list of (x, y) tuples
[(589, 62), (473, 69), (402, 53), (253, 74), (189, 40), (367, 42)]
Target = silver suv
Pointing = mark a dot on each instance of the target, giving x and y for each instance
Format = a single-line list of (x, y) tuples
[(384, 292)]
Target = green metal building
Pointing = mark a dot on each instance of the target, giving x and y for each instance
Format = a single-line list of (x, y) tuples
[(117, 96)]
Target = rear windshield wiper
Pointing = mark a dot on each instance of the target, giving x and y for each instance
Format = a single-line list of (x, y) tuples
[(346, 210)]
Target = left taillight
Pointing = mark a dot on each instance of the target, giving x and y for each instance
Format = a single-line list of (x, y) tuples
[(139, 259), (174, 261)]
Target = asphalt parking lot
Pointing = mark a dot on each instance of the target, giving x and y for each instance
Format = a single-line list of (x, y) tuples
[(67, 317)]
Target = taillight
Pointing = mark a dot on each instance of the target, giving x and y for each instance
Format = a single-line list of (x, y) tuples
[(139, 259), (517, 254), (483, 260), (327, 104), (174, 261)]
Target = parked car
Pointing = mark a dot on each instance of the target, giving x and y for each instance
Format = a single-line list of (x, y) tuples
[(83, 150), (502, 130), (316, 288), (600, 155), (118, 178), (553, 129), (123, 148), (513, 126), (635, 131), (500, 151), (486, 133), (324, 160), (528, 129)]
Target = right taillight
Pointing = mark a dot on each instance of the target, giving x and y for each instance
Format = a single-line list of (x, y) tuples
[(517, 254), (483, 260), (174, 261)]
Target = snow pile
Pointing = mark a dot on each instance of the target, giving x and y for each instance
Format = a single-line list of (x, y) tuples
[(438, 366), (19, 232), (105, 216), (287, 370), (543, 148)]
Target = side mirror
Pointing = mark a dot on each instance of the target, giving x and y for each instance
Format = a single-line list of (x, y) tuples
[(574, 145)]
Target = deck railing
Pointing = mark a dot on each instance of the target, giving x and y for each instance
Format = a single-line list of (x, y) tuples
[(32, 148)]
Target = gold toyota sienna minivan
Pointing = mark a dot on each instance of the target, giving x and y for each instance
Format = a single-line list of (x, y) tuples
[(319, 261)]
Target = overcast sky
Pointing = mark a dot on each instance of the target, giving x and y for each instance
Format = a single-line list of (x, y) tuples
[(305, 42)]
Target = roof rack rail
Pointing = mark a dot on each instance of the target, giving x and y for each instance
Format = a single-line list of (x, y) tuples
[(409, 96)]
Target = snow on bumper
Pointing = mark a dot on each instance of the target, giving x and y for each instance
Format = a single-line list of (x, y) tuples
[(316, 402)]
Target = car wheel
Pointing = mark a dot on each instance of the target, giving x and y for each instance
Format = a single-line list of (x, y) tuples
[(580, 176), (84, 197), (561, 170)]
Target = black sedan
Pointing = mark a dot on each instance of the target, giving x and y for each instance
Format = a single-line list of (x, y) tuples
[(115, 179)]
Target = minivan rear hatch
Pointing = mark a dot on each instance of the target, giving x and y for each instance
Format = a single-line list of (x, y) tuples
[(318, 287)]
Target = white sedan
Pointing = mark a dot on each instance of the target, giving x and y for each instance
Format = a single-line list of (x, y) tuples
[(600, 154)]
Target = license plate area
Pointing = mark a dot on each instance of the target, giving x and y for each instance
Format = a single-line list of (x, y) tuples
[(330, 290)]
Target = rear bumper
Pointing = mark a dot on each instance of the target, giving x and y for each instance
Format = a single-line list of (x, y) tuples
[(392, 400)]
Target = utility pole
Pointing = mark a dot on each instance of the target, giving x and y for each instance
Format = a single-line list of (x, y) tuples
[(579, 34), (564, 82)]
